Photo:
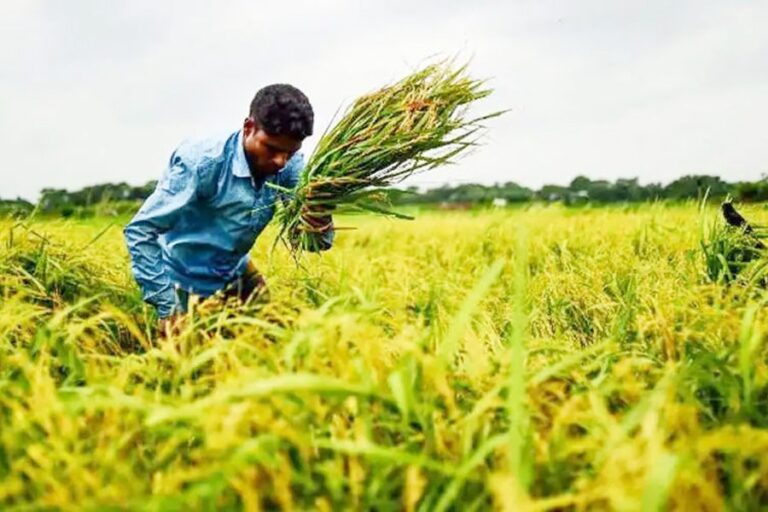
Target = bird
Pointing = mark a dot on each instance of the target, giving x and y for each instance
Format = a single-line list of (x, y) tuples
[(735, 219)]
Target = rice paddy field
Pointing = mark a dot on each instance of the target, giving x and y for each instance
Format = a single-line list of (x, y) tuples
[(525, 359)]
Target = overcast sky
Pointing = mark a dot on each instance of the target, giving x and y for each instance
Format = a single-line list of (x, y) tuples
[(96, 91)]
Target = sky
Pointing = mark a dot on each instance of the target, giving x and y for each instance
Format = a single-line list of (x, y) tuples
[(94, 91)]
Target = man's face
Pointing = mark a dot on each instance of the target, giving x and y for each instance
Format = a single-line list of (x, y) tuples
[(266, 153)]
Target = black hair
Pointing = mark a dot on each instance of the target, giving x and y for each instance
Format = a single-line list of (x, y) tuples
[(282, 109)]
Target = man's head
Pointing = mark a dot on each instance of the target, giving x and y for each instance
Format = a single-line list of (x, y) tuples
[(280, 119)]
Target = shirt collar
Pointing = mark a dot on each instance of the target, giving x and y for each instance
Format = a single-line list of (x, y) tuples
[(239, 163)]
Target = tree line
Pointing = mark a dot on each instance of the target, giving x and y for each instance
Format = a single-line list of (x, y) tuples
[(121, 198), (583, 190), (109, 198)]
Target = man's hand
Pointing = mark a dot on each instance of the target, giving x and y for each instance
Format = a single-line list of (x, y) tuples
[(318, 217), (309, 233)]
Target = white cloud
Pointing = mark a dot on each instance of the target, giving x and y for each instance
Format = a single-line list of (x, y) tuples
[(94, 91)]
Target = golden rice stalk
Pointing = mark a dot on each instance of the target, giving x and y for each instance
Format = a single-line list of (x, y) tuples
[(416, 124)]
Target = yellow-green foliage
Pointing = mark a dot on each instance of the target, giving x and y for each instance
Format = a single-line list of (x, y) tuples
[(539, 359)]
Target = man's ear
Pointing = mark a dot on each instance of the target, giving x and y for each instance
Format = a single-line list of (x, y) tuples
[(249, 125)]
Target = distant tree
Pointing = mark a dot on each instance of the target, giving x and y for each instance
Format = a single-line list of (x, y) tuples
[(15, 207), (695, 186), (751, 191), (53, 200), (553, 193), (580, 183)]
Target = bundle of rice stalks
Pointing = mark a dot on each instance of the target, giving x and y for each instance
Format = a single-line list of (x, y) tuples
[(414, 125)]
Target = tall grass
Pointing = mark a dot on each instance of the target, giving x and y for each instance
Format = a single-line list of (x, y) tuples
[(535, 359)]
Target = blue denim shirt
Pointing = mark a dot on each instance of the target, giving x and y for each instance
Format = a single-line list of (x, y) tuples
[(195, 231)]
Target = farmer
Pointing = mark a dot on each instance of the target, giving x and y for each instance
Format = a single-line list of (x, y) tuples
[(194, 233)]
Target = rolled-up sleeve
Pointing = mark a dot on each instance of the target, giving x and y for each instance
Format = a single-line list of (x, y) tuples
[(289, 179), (176, 191)]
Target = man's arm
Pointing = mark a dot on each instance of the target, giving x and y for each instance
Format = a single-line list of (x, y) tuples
[(320, 220), (175, 191)]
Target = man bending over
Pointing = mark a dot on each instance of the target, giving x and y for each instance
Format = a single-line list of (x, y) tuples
[(194, 233)]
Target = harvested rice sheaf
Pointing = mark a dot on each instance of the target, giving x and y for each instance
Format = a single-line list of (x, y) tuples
[(419, 123)]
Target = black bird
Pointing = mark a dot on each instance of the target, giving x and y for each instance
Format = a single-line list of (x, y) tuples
[(735, 219)]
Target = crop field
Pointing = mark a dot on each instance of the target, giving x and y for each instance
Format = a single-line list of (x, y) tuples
[(524, 359)]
